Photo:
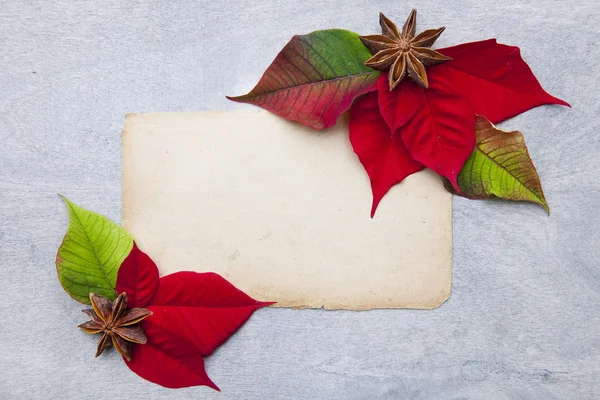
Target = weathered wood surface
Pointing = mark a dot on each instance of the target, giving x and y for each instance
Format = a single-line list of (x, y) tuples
[(522, 321)]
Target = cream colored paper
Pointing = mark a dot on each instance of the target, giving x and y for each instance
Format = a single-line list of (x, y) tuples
[(282, 211)]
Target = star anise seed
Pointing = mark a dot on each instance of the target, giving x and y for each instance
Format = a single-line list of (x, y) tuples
[(116, 322), (403, 53)]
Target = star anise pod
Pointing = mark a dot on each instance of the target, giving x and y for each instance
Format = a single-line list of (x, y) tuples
[(116, 323), (403, 52)]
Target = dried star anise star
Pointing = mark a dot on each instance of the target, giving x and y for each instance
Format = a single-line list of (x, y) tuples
[(403, 52), (116, 323)]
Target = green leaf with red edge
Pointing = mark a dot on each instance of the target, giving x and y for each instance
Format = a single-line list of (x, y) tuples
[(315, 78), (440, 134), (499, 166), (493, 79), (193, 313), (383, 154)]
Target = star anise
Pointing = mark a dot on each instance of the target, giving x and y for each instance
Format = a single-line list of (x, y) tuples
[(403, 52), (116, 323)]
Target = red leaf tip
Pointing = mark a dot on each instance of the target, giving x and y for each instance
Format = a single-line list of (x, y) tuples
[(453, 179), (237, 99), (376, 200), (560, 102), (212, 385)]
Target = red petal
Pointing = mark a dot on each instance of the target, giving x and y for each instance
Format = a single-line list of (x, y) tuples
[(383, 155), (168, 360), (441, 135), (493, 79), (138, 277), (204, 307), (399, 105), (193, 313)]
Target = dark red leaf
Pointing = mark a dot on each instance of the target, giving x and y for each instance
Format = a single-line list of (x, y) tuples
[(441, 135), (493, 79), (138, 277), (383, 155), (399, 105), (193, 313)]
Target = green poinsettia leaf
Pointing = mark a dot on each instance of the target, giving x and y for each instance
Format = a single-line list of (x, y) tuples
[(91, 253), (499, 166), (315, 78)]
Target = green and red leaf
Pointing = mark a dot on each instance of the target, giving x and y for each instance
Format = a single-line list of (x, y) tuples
[(315, 78), (499, 166)]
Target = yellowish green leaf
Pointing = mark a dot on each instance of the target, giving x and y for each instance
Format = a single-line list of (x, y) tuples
[(91, 253), (499, 166)]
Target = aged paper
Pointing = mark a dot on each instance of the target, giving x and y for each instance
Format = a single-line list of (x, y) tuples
[(282, 212)]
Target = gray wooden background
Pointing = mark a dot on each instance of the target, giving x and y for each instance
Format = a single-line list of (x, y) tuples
[(522, 321)]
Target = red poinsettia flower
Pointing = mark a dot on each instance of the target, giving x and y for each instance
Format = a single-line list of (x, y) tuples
[(192, 314), (419, 112), (397, 133)]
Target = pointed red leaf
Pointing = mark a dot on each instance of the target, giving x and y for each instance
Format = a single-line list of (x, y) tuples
[(315, 78), (493, 79), (383, 155), (399, 105), (441, 135), (167, 359), (215, 306), (138, 277), (193, 313)]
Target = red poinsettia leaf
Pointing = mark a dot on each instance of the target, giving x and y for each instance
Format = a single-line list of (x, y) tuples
[(399, 105), (138, 277), (493, 79), (205, 306), (192, 314), (441, 135), (167, 359), (383, 154)]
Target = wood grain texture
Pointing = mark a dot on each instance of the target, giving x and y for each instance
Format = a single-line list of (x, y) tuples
[(522, 321)]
